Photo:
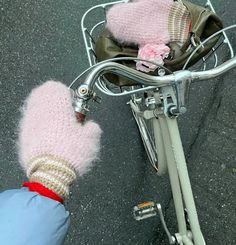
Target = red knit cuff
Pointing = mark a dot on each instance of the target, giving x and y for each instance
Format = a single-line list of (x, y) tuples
[(43, 191)]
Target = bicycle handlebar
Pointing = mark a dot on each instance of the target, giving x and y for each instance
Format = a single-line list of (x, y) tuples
[(215, 72), (85, 89), (159, 81)]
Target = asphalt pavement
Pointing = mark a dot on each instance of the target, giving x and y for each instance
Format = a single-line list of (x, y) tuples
[(42, 40)]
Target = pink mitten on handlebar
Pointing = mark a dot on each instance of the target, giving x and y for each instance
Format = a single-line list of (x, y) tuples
[(54, 147)]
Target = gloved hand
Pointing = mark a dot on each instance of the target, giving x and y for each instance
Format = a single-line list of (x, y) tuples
[(53, 146), (150, 24)]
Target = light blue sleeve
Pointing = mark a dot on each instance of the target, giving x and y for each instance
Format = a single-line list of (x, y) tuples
[(28, 218)]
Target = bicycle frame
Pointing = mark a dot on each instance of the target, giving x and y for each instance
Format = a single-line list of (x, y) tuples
[(166, 132), (166, 113), (168, 136)]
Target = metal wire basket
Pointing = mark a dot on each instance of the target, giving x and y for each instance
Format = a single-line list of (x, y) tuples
[(93, 22)]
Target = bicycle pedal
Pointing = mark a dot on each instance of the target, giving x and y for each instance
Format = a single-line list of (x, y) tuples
[(145, 210)]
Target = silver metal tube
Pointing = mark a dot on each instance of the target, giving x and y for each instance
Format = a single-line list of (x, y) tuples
[(184, 180), (145, 79), (118, 69), (219, 70), (174, 179)]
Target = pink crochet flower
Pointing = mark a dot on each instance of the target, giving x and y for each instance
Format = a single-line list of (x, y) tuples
[(152, 52)]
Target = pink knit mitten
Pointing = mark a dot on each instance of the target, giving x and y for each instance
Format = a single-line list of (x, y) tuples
[(53, 145), (152, 22)]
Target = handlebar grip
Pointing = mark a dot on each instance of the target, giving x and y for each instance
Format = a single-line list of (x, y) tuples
[(80, 117)]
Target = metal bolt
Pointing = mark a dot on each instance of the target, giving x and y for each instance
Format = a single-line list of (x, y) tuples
[(83, 90), (161, 72)]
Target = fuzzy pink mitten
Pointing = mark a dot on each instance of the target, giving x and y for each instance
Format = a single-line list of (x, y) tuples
[(152, 22), (53, 145)]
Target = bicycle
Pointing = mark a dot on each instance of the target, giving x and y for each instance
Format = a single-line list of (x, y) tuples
[(162, 100)]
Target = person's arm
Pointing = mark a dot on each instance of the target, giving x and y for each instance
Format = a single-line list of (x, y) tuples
[(29, 218), (54, 149)]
